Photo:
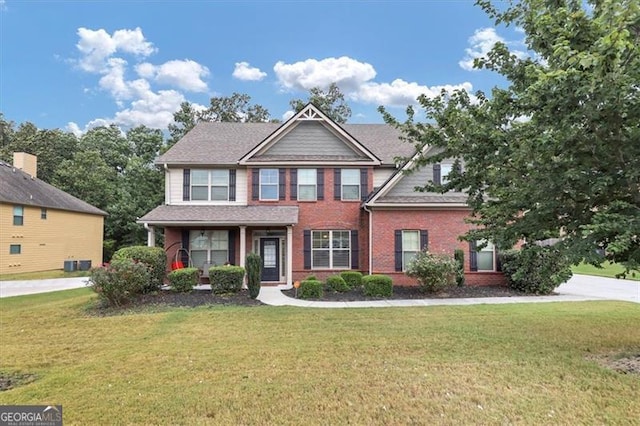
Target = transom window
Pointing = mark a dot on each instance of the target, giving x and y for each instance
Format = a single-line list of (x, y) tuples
[(307, 184), (18, 215), (210, 185), (209, 247), (410, 247), (269, 179), (350, 184), (330, 249), (486, 257)]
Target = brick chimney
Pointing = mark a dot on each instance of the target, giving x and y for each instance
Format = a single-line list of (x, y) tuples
[(26, 162)]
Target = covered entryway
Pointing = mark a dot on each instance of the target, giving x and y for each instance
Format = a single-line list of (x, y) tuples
[(270, 254)]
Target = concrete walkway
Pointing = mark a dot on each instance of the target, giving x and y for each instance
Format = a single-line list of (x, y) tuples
[(578, 288)]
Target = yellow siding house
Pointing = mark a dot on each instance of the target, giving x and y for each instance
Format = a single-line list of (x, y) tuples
[(41, 227)]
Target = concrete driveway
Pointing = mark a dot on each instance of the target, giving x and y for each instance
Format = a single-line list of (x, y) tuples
[(20, 288)]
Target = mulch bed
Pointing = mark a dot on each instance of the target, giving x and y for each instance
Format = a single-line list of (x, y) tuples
[(400, 292)]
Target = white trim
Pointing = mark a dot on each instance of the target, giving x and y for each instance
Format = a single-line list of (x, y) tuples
[(289, 243), (308, 112), (243, 245)]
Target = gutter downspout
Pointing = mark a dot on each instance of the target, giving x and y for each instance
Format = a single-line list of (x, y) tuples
[(366, 209)]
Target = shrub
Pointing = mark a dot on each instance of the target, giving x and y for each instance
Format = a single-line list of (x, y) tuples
[(155, 259), (311, 278), (120, 281), (337, 283), (183, 280), (226, 279), (458, 255), (353, 278), (310, 289), (254, 272), (535, 269), (377, 285), (434, 272)]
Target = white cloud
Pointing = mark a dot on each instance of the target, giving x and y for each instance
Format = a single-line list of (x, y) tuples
[(287, 115), (402, 93), (481, 43), (243, 71), (146, 70), (3, 5), (349, 74), (97, 45), (183, 74)]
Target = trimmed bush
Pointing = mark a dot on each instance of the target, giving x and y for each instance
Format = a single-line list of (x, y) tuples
[(434, 272), (458, 255), (183, 280), (353, 278), (377, 285), (311, 278), (254, 272), (534, 269), (226, 279), (155, 259), (337, 283), (120, 281), (310, 289)]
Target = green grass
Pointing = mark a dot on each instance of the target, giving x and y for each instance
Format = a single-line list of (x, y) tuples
[(483, 364), (43, 275), (608, 269)]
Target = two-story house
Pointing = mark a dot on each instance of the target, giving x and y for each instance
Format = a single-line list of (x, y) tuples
[(311, 197)]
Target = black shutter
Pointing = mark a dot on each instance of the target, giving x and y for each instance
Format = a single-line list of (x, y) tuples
[(337, 184), (473, 256), (186, 185), (496, 253), (320, 177), (424, 240), (282, 181), (436, 174), (293, 184), (307, 248), (355, 250), (232, 247), (232, 185), (398, 249), (364, 184), (255, 184), (184, 254)]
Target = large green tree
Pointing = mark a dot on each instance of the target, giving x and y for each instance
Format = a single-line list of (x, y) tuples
[(556, 153), (330, 102)]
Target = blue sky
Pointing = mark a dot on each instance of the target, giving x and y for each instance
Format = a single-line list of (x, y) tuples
[(73, 65)]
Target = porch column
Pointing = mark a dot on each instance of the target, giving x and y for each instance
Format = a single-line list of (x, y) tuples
[(151, 236), (289, 256), (243, 245)]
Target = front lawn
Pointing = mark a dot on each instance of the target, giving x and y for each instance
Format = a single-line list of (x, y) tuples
[(608, 269), (482, 364)]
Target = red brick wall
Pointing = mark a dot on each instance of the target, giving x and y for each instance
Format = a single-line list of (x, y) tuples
[(444, 227)]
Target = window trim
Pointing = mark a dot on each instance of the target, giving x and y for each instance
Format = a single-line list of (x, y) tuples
[(276, 184), (315, 185), (494, 256), (18, 219), (209, 185), (14, 252), (193, 234), (342, 184), (406, 231), (331, 249), (43, 213)]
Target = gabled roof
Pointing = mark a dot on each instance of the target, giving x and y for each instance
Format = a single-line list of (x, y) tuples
[(225, 144), (18, 187), (398, 190), (347, 148)]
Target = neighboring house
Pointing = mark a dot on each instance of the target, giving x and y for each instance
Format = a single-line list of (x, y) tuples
[(42, 227), (311, 197)]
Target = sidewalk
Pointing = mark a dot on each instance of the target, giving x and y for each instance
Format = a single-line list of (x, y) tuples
[(19, 288)]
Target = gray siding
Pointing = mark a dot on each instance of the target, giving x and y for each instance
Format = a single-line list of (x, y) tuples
[(310, 138), (405, 187)]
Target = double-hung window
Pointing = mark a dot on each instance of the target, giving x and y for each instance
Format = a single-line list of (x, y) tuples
[(445, 169), (210, 185), (486, 257), (209, 247), (410, 247), (269, 181), (331, 249), (18, 215), (307, 184), (43, 213), (350, 184)]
